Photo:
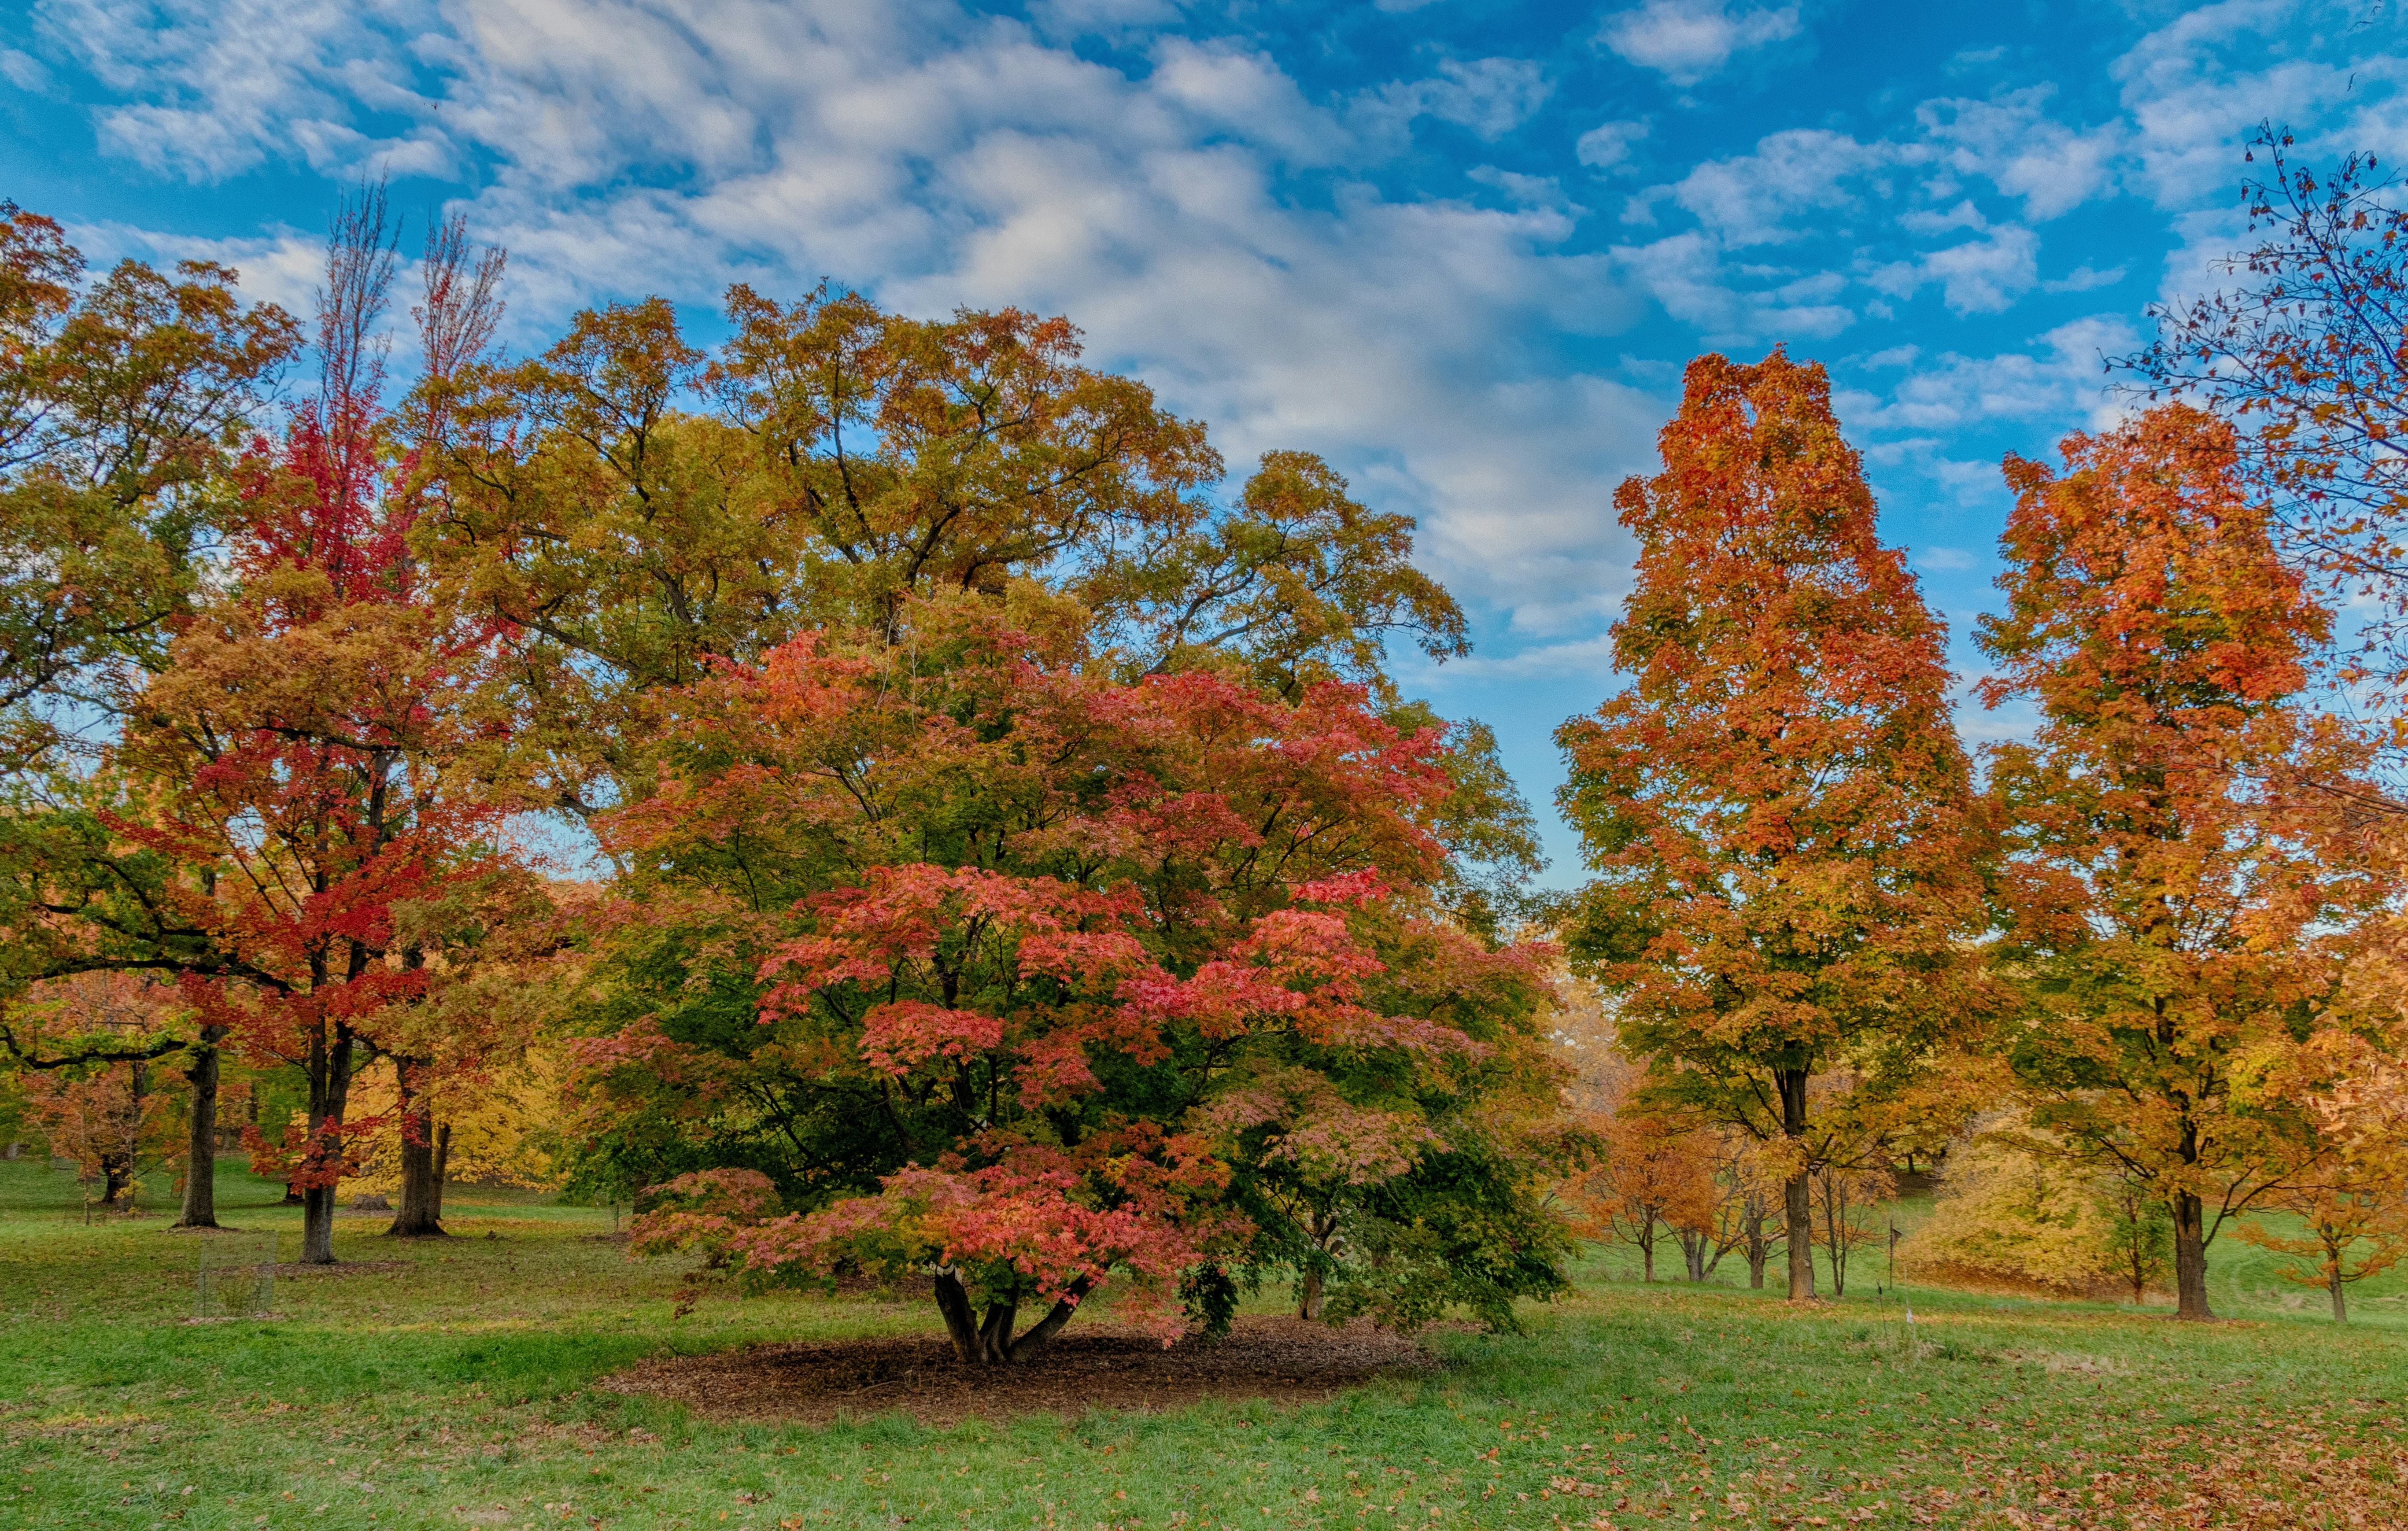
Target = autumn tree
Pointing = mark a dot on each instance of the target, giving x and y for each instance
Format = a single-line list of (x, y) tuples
[(2014, 1207), (2304, 351), (87, 1046), (313, 761), (2181, 880), (124, 403), (1775, 805), (1654, 1180), (632, 508), (2352, 1224), (962, 958)]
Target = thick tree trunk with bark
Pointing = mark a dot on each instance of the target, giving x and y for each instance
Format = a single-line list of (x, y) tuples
[(1795, 1193), (1309, 1298), (990, 1343), (420, 1215), (2190, 1257), (201, 1144), (2341, 1305)]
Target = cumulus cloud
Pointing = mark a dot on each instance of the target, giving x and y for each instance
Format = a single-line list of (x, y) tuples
[(1608, 145), (940, 158), (2011, 141), (2056, 377), (1752, 199), (1687, 40), (1979, 276)]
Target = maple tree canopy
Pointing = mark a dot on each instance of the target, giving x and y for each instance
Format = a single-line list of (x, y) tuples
[(970, 955)]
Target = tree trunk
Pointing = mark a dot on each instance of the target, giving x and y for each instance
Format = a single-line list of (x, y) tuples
[(961, 1324), (991, 1343), (1693, 1251), (1759, 1250), (1028, 1347), (201, 1143), (330, 1085), (1310, 1298), (1798, 1209), (2190, 1258), (443, 1166), (420, 1215), (116, 1173), (1647, 1248), (2341, 1305)]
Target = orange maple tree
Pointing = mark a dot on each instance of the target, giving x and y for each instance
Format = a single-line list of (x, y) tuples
[(1776, 805), (2181, 870)]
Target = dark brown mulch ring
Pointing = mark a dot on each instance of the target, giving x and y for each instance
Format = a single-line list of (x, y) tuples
[(1282, 1359)]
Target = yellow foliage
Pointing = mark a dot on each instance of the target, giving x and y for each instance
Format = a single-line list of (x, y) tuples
[(504, 1125), (2003, 1212)]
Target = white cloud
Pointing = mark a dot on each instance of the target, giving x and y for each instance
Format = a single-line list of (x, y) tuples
[(1607, 146), (2011, 141), (2059, 375), (1980, 276), (937, 158), (1687, 40), (2082, 279), (23, 70), (1491, 98), (1750, 199), (232, 83), (1685, 272)]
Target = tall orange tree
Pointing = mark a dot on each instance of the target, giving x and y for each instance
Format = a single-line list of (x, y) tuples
[(1776, 806), (2177, 855)]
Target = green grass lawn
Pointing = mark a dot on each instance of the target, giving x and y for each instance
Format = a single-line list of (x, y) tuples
[(454, 1390)]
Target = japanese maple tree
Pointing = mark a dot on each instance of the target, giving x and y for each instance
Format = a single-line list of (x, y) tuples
[(959, 956), (1775, 805), (2180, 868)]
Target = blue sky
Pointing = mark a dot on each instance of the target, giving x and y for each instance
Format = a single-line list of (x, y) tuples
[(1460, 247)]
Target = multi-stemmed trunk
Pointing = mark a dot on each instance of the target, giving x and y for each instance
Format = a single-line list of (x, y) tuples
[(201, 1145), (329, 1070), (1693, 1251), (990, 1343), (1796, 1204)]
